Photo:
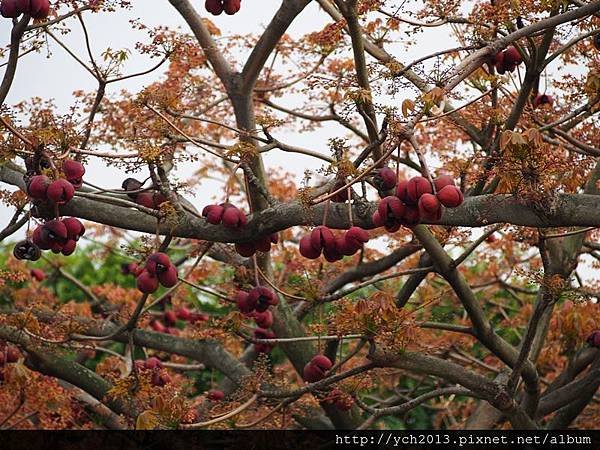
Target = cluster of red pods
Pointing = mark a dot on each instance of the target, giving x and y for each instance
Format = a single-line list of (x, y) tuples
[(158, 377), (334, 248), (507, 60), (8, 354), (149, 198), (38, 9), (158, 270), (415, 200), (169, 320), (58, 235), (216, 7), (255, 305)]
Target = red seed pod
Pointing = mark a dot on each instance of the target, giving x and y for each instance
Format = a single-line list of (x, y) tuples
[(263, 244), (38, 274), (168, 278), (411, 216), (60, 191), (499, 62), (145, 199), (450, 196), (215, 7), (12, 354), (430, 207), (261, 333), (385, 179), (306, 248), (37, 187), (42, 11), (331, 254), (401, 192), (183, 313), (443, 181), (316, 368), (358, 235), (9, 9), (157, 326), (391, 207), (72, 169), (215, 396), (245, 249), (68, 247), (345, 246), (75, 228), (262, 297), (213, 213), (234, 218), (147, 283), (244, 303), (157, 263), (231, 6), (321, 238), (40, 239), (377, 220), (54, 231), (543, 99), (170, 318), (153, 363), (416, 187), (263, 319), (512, 57)]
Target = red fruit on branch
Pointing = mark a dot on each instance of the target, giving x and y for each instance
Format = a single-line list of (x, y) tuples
[(38, 274), (183, 313), (512, 58), (261, 333), (306, 248), (543, 99), (213, 213), (43, 11), (416, 187), (40, 239), (153, 363), (411, 216), (157, 326), (215, 395), (170, 318), (390, 208), (8, 9), (331, 254), (145, 199), (160, 379), (401, 192), (346, 247), (68, 247), (231, 6), (357, 235), (146, 282), (430, 207), (233, 217), (37, 187), (215, 7), (377, 220), (60, 191), (262, 297), (450, 196), (12, 354), (263, 244), (594, 339), (443, 181), (316, 368), (321, 238), (168, 278), (385, 179), (129, 269), (75, 228), (74, 172), (244, 303), (245, 249), (263, 319), (54, 231), (499, 62), (158, 263)]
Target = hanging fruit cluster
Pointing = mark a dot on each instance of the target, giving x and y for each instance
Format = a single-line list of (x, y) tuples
[(255, 305), (60, 235), (158, 270), (507, 60), (216, 7), (38, 9), (415, 200)]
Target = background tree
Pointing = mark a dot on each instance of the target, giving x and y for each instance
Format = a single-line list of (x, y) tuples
[(436, 269)]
